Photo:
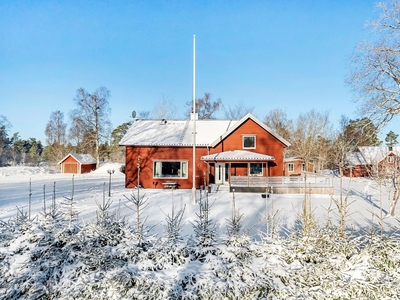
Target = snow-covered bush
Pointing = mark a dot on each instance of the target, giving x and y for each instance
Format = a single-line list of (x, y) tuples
[(50, 257)]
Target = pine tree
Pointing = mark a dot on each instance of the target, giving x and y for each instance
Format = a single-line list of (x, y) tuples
[(391, 138)]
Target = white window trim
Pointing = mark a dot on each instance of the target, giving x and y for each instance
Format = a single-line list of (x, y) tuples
[(249, 135), (172, 160), (390, 159), (291, 164)]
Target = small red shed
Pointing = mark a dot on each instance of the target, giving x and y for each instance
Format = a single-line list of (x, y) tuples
[(78, 164)]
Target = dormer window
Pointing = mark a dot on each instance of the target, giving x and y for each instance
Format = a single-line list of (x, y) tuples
[(249, 141)]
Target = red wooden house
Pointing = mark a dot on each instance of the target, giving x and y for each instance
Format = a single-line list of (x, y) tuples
[(162, 151), (295, 166), (78, 164), (372, 161)]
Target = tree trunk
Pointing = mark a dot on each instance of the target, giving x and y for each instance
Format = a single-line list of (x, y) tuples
[(393, 204)]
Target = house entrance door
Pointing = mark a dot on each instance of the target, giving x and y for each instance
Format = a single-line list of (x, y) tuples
[(221, 173)]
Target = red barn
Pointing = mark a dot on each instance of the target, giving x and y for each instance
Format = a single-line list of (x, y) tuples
[(162, 152), (78, 164)]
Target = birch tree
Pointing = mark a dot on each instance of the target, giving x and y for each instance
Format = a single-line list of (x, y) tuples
[(344, 142), (308, 129), (90, 122), (56, 132), (164, 109), (375, 76)]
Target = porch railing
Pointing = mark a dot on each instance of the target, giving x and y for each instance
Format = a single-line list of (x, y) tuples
[(282, 181)]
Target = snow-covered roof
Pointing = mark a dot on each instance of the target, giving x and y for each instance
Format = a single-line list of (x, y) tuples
[(292, 158), (180, 132), (84, 159), (236, 155), (371, 155), (355, 158)]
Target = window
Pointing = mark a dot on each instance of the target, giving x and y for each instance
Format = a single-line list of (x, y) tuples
[(256, 169), (291, 167), (303, 167), (249, 142), (390, 159), (170, 169)]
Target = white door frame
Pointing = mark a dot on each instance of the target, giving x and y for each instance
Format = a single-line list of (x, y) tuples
[(221, 171)]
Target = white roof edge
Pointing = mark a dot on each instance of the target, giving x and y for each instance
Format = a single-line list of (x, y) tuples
[(70, 154), (241, 121), (238, 155), (74, 156)]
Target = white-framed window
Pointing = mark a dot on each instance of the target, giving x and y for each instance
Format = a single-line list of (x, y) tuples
[(256, 169), (170, 169), (303, 167), (291, 167), (249, 141), (390, 159)]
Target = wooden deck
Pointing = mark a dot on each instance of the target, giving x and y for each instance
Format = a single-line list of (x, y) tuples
[(313, 184)]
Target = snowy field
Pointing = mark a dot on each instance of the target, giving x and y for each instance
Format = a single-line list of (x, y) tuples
[(107, 257), (364, 197)]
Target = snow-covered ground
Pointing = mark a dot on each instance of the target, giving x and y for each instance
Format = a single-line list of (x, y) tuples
[(364, 197), (52, 258)]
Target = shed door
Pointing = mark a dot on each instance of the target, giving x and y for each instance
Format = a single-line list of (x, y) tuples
[(70, 168)]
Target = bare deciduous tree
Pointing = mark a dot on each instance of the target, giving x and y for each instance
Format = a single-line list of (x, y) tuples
[(55, 133), (375, 76), (309, 127), (342, 145), (56, 128), (278, 121), (90, 122), (237, 111), (164, 109), (144, 114), (205, 107)]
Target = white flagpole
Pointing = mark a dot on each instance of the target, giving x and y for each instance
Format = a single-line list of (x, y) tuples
[(194, 121)]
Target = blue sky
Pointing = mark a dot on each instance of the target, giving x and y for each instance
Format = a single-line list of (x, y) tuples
[(292, 55)]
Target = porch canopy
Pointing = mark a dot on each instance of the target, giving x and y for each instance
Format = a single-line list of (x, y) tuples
[(236, 155)]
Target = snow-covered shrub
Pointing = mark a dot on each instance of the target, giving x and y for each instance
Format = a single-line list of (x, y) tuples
[(205, 232), (142, 231)]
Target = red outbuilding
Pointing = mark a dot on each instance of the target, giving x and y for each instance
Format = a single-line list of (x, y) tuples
[(373, 161), (78, 164)]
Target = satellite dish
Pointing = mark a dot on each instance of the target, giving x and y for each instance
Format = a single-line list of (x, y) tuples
[(134, 114)]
